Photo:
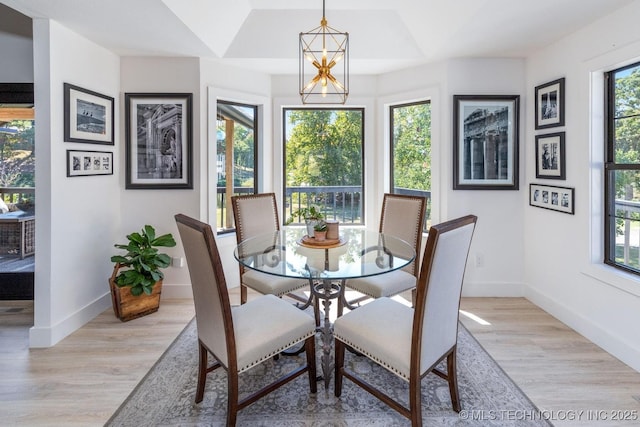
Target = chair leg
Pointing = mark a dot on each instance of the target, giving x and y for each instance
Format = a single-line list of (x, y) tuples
[(232, 403), (310, 349), (339, 364), (452, 378), (415, 401), (202, 371), (243, 294)]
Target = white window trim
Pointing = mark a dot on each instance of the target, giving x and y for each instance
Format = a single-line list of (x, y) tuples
[(431, 94), (595, 266), (264, 145)]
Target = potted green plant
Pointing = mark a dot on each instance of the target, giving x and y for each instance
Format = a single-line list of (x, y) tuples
[(320, 231), (311, 215), (136, 281)]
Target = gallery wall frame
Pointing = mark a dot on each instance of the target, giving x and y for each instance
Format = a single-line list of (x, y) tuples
[(159, 140), (88, 116), (89, 163), (552, 197), (549, 104), (486, 142), (550, 156)]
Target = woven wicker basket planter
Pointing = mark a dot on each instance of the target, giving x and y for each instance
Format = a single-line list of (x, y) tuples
[(126, 306)]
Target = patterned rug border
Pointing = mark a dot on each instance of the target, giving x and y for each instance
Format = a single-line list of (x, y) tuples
[(530, 416)]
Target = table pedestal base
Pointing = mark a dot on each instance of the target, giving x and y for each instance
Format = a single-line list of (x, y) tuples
[(326, 290)]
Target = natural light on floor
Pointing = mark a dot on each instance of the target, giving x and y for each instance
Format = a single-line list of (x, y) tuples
[(474, 318)]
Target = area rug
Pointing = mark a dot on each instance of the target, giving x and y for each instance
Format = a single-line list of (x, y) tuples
[(165, 396)]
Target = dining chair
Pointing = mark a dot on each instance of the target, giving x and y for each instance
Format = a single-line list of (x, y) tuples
[(411, 342), (255, 214), (402, 216), (240, 337)]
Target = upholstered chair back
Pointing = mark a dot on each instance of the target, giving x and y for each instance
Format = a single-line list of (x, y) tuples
[(255, 214), (210, 295), (440, 286), (403, 217)]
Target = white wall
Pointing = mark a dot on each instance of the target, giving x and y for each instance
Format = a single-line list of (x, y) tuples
[(76, 218), (563, 255), (157, 207), (497, 242)]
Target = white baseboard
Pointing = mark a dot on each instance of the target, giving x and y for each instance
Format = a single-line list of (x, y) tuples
[(492, 289), (627, 352), (40, 337)]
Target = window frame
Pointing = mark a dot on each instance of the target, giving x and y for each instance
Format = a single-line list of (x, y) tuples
[(610, 167), (362, 110), (391, 142)]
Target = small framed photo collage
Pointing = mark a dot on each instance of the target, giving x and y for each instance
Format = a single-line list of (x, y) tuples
[(550, 150), (88, 119)]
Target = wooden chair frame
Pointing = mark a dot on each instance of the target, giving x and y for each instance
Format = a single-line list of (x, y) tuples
[(414, 412), (234, 403)]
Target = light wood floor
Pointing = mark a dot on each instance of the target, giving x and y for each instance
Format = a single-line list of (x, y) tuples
[(83, 379)]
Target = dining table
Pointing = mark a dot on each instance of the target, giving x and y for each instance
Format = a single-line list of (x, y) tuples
[(353, 252)]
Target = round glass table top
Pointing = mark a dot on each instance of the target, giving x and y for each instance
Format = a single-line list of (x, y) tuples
[(357, 253)]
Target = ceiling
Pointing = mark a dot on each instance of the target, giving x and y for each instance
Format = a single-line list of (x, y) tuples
[(263, 34)]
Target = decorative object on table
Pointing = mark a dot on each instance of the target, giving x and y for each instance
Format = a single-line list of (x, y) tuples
[(324, 64), (485, 142), (550, 104), (88, 116), (136, 282), (412, 342), (159, 145), (89, 163), (312, 242), (239, 338), (550, 157), (333, 229), (311, 215), (320, 231), (559, 199)]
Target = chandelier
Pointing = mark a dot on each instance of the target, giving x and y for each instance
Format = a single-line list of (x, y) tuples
[(324, 65)]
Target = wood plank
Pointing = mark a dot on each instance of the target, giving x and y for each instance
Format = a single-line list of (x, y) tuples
[(100, 364), (10, 114)]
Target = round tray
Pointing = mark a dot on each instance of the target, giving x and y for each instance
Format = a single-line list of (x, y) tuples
[(311, 242)]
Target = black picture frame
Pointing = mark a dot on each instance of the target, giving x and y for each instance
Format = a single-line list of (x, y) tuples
[(89, 163), (88, 116), (550, 156), (486, 142), (159, 140), (561, 199), (549, 100)]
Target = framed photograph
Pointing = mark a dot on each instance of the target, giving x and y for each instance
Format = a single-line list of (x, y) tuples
[(559, 199), (550, 104), (159, 142), (88, 116), (485, 142), (550, 158), (89, 163)]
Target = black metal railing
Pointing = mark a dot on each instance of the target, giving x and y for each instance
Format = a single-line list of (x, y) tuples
[(342, 203)]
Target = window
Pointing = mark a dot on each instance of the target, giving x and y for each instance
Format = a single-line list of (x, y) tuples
[(323, 158), (236, 160), (622, 169), (410, 150)]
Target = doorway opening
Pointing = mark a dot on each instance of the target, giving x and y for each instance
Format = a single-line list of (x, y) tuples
[(17, 191)]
